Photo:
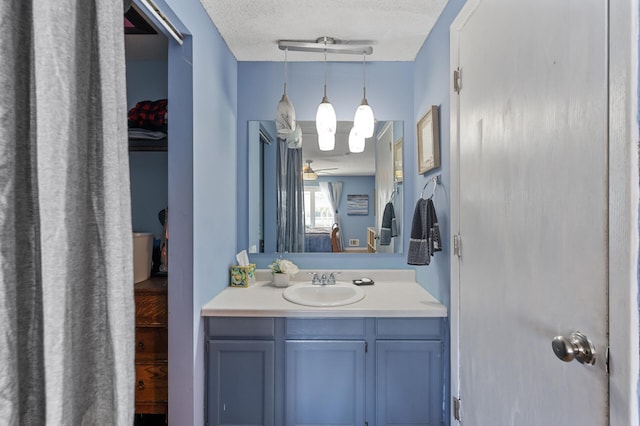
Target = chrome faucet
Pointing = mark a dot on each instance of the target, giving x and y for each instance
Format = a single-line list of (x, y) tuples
[(323, 279)]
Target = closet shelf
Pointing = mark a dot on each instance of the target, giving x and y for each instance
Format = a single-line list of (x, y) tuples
[(148, 145)]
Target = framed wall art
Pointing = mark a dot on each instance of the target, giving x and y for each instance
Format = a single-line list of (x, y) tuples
[(357, 205), (428, 141)]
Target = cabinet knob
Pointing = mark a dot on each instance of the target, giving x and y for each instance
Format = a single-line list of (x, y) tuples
[(140, 346), (140, 385)]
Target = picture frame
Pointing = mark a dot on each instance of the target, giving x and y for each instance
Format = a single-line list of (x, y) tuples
[(397, 161), (357, 205), (428, 141)]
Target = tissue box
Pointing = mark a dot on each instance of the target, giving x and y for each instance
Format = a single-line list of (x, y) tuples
[(142, 251), (241, 276)]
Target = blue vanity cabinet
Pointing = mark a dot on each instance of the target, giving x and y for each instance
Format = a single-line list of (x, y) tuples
[(409, 372), (325, 371), (241, 372)]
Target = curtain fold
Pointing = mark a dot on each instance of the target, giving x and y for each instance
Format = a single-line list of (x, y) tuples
[(332, 190), (66, 279), (290, 199)]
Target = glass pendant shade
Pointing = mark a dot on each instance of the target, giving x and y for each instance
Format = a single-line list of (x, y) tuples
[(326, 141), (356, 142), (364, 121), (285, 113), (326, 118), (285, 117)]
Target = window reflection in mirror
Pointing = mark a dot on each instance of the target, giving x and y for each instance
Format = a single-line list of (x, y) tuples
[(369, 178)]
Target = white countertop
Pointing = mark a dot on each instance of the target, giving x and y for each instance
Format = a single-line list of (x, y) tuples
[(394, 294)]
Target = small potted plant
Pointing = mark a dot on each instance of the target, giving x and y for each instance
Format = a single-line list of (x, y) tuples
[(282, 270)]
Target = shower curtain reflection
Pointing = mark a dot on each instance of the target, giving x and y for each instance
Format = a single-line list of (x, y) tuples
[(290, 196)]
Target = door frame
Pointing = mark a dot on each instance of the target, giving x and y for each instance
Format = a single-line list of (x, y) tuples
[(623, 209), (186, 341)]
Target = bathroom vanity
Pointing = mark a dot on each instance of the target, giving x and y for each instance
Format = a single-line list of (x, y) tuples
[(375, 362)]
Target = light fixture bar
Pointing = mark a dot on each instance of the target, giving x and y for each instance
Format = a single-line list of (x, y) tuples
[(324, 44)]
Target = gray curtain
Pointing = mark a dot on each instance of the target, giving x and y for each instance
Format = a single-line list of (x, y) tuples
[(290, 194), (333, 191), (66, 280)]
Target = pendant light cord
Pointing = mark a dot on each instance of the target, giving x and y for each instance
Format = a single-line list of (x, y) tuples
[(286, 75), (325, 68), (364, 77)]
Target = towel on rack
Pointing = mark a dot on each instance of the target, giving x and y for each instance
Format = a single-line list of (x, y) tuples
[(389, 228), (425, 237)]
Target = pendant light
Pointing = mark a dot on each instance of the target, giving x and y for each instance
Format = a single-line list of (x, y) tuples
[(326, 141), (285, 113), (364, 121), (326, 116), (356, 141)]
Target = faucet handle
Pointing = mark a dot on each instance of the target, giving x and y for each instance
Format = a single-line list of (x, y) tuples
[(314, 279), (332, 278)]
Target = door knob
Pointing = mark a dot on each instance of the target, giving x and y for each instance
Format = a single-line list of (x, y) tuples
[(575, 346)]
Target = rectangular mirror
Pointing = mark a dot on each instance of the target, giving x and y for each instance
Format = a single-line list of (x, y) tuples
[(295, 210)]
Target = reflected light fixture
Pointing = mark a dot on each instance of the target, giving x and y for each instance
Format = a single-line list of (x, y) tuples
[(364, 121), (326, 116), (326, 141), (285, 113), (356, 141), (308, 173)]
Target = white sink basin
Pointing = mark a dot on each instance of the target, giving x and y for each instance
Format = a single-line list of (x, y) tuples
[(338, 294)]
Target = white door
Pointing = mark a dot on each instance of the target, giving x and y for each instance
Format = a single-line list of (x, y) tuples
[(532, 210)]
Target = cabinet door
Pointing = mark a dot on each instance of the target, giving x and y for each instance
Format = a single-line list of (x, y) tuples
[(324, 382), (241, 382), (408, 382)]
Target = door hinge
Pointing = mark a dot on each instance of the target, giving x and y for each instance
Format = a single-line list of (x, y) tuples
[(366, 423), (457, 80), (366, 347), (457, 245), (456, 408), (606, 361)]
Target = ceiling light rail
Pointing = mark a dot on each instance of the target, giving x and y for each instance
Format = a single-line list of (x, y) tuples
[(328, 45)]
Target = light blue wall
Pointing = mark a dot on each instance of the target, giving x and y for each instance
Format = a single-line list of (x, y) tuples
[(149, 190), (202, 194), (432, 87), (146, 80), (390, 94)]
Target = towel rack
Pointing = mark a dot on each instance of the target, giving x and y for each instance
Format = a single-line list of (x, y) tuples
[(394, 194), (436, 182)]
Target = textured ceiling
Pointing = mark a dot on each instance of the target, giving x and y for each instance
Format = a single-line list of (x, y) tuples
[(252, 28)]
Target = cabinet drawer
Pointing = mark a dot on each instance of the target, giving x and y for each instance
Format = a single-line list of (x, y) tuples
[(408, 328), (151, 382), (325, 328), (151, 310), (151, 344), (240, 327)]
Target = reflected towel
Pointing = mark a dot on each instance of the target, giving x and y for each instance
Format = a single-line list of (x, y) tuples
[(389, 228)]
